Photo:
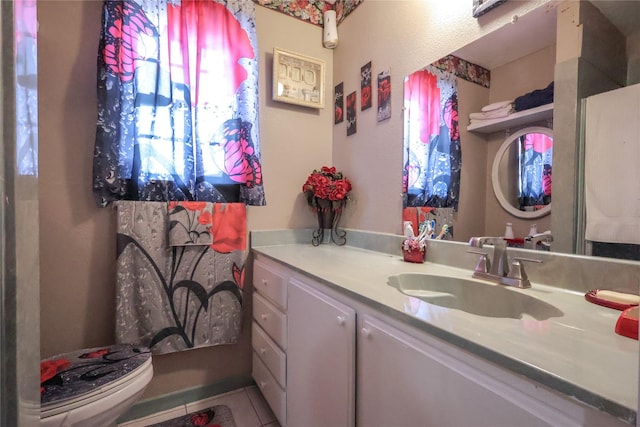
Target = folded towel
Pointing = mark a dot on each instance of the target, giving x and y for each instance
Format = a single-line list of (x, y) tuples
[(497, 105), (190, 223), (494, 114)]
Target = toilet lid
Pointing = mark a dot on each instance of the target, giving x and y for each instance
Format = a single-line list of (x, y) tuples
[(71, 376)]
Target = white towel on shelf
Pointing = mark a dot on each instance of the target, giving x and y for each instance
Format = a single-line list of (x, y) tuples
[(612, 166), (497, 105), (494, 114)]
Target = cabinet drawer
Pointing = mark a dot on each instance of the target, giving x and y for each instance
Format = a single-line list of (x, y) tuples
[(273, 394), (273, 321), (269, 353), (270, 283)]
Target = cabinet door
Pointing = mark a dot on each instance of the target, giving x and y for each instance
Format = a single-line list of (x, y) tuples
[(320, 359), (403, 382)]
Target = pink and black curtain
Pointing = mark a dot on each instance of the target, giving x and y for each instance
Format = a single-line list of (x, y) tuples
[(178, 102), (535, 154), (432, 155)]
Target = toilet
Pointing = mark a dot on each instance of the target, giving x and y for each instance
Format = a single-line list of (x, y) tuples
[(92, 387)]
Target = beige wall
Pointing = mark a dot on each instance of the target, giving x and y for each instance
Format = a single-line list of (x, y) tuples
[(405, 35), (77, 239)]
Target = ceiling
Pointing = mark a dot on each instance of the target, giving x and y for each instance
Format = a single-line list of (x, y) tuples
[(514, 40)]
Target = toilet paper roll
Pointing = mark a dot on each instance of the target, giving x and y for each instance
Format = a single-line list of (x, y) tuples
[(330, 32)]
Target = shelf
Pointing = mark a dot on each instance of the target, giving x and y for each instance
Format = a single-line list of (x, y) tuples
[(532, 115)]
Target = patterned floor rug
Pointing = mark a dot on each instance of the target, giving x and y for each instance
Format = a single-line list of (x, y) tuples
[(216, 416)]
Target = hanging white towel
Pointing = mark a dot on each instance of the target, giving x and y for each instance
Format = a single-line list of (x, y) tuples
[(612, 166)]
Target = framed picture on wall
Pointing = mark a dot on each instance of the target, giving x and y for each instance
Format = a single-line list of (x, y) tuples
[(384, 94), (480, 7), (298, 79), (365, 86), (351, 114), (338, 103)]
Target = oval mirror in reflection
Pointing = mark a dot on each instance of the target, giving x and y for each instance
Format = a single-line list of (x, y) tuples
[(521, 174)]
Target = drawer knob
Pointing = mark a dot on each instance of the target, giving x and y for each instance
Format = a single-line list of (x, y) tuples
[(341, 320), (263, 351), (366, 332), (263, 384), (264, 282), (263, 316)]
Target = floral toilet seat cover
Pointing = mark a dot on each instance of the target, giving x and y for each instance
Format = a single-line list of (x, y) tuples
[(67, 376)]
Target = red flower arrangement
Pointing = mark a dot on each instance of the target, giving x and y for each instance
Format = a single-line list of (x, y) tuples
[(327, 184)]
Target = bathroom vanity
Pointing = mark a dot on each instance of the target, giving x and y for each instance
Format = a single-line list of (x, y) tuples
[(336, 343)]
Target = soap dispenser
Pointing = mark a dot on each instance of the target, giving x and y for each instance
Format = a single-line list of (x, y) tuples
[(508, 231)]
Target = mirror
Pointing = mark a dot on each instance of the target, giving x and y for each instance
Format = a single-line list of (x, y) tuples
[(500, 66), (500, 52), (521, 173)]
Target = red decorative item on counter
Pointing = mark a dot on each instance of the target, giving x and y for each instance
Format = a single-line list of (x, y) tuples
[(627, 324), (327, 192), (417, 256)]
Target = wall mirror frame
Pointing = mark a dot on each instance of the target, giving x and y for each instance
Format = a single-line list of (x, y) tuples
[(503, 196)]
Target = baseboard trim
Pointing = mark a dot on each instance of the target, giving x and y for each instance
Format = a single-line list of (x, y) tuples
[(156, 404)]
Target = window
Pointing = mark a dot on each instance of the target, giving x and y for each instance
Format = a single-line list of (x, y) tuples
[(178, 102)]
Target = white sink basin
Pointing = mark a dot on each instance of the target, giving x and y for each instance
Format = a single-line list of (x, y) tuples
[(472, 296)]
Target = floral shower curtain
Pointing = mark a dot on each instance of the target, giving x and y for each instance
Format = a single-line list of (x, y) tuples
[(536, 153), (432, 140), (178, 102)]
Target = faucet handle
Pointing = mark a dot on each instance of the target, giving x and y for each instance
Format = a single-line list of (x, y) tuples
[(517, 275), (483, 265)]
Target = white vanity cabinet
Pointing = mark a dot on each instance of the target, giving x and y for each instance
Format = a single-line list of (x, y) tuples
[(399, 376), (320, 359), (269, 335), (304, 349), (404, 381)]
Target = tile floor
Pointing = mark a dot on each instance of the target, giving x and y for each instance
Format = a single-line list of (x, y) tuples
[(247, 405)]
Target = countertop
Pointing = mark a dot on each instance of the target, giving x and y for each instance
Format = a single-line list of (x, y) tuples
[(577, 354)]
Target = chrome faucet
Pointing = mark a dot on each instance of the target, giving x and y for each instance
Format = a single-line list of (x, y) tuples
[(531, 242), (497, 268)]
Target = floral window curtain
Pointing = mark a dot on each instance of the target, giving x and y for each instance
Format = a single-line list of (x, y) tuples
[(432, 154), (178, 102), (535, 153)]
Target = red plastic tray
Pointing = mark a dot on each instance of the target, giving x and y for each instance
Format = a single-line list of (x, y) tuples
[(627, 324)]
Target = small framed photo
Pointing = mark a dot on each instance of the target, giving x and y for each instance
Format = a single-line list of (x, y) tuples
[(365, 86), (384, 95), (298, 79), (338, 103), (351, 114)]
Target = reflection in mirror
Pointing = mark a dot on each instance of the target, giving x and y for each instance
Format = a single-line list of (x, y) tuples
[(431, 175), (521, 174)]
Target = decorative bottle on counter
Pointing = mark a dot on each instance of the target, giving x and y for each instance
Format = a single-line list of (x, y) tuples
[(508, 231)]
